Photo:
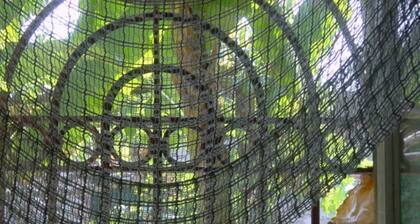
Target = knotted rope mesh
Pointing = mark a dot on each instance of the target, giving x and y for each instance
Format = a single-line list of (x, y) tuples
[(194, 111)]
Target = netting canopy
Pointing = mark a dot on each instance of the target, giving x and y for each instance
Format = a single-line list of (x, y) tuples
[(195, 111)]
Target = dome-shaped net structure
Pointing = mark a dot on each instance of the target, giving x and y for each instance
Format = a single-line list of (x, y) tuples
[(194, 111)]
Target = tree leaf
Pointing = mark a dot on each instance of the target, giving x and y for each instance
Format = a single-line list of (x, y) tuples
[(315, 28), (9, 10)]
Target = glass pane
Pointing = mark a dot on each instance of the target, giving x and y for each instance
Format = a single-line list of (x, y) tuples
[(410, 175)]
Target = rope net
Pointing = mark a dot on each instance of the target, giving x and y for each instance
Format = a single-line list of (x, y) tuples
[(194, 111)]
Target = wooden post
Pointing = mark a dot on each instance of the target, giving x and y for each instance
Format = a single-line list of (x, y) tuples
[(3, 139), (315, 213), (387, 178)]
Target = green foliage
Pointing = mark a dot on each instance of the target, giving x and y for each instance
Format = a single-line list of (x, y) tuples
[(110, 58), (9, 10), (13, 14), (230, 11), (131, 144), (25, 145), (131, 47), (183, 144), (236, 142), (366, 163), (336, 196), (88, 83), (78, 144), (315, 29)]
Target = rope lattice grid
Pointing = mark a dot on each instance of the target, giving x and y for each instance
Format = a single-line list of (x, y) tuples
[(194, 111)]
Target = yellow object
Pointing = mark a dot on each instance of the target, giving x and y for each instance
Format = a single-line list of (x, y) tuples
[(358, 207)]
